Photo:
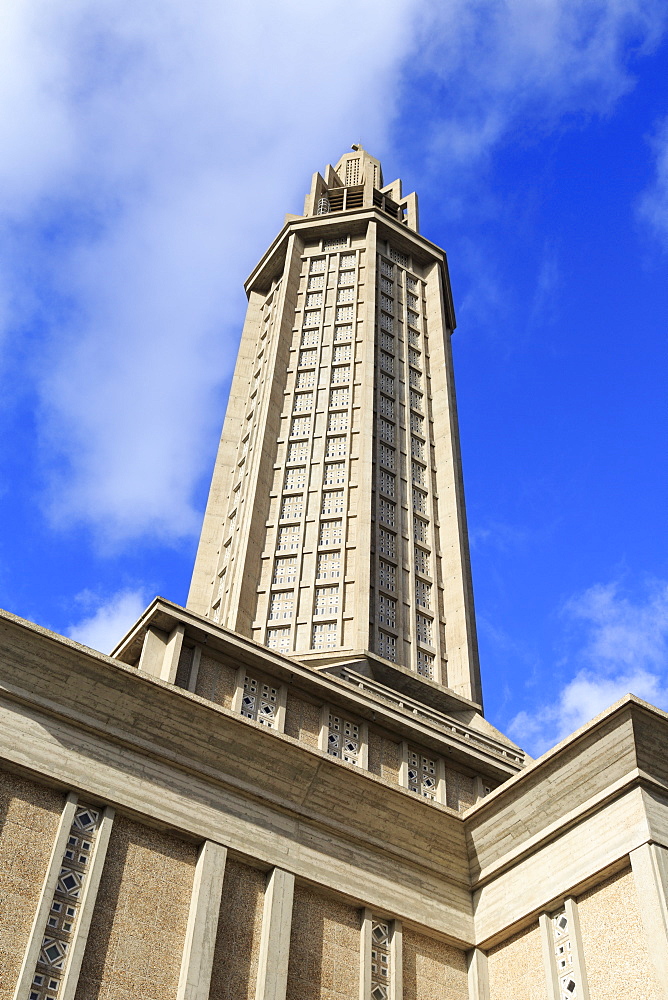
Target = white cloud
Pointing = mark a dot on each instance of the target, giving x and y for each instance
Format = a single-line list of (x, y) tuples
[(154, 151), (103, 629), (621, 647), (149, 153), (519, 64), (653, 206)]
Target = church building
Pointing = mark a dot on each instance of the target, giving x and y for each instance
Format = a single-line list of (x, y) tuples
[(288, 790)]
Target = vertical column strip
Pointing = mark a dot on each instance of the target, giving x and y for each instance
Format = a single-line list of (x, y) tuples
[(478, 975), (46, 898), (200, 942), (397, 961), (562, 953), (55, 952), (365, 954), (549, 959), (194, 669), (173, 649), (649, 864), (87, 906), (364, 373), (571, 911), (272, 973)]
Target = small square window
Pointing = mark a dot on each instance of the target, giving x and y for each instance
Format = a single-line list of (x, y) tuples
[(343, 333), (387, 483), (326, 601), (340, 374), (387, 645), (329, 566), (387, 512), (342, 353), (288, 538), (335, 473), (336, 447), (325, 635), (308, 358), (339, 397), (337, 421), (387, 575), (387, 543), (331, 533), (387, 456), (303, 401), (306, 380), (285, 570), (281, 605)]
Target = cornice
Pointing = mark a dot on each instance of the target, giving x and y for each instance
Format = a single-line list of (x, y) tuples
[(350, 222), (117, 705), (436, 723)]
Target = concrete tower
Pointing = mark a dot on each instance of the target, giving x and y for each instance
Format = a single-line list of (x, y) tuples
[(335, 528), (200, 816)]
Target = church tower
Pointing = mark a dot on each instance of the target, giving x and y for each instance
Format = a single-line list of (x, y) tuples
[(335, 529), (287, 790)]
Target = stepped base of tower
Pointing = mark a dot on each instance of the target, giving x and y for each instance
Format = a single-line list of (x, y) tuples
[(198, 816)]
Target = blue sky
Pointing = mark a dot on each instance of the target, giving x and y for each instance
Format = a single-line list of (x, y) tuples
[(150, 152)]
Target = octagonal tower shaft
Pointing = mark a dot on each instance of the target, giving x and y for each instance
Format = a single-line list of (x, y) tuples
[(335, 528)]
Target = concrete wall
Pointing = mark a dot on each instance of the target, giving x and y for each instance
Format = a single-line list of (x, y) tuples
[(324, 948), (516, 968), (433, 970), (615, 952), (216, 681), (302, 720), (384, 757), (136, 937), (239, 927), (29, 816)]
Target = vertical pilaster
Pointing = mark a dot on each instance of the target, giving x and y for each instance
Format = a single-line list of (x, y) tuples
[(478, 975), (249, 539), (403, 766), (571, 911), (381, 958), (87, 907), (563, 956), (364, 385), (365, 954), (153, 652), (397, 961), (649, 864), (194, 668), (272, 973), (46, 898), (172, 653), (200, 943), (59, 934), (454, 566), (549, 958)]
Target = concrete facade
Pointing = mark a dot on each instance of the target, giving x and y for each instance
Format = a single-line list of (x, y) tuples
[(205, 815)]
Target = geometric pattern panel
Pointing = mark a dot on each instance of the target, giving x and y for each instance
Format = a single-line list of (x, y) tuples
[(259, 702), (563, 952), (63, 914), (343, 739), (422, 777), (380, 960)]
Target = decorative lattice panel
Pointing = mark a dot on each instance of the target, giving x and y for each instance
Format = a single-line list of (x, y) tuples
[(380, 960), (64, 912), (343, 739), (563, 953), (260, 701)]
